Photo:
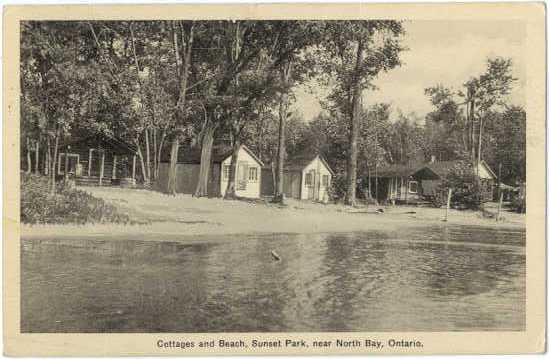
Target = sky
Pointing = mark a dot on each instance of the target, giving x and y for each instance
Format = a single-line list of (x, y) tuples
[(439, 52)]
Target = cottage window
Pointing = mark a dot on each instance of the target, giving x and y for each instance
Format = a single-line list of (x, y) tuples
[(325, 180), (308, 179), (226, 172), (252, 175), (412, 186)]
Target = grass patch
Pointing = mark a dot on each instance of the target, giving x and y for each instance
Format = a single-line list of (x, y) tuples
[(67, 205)]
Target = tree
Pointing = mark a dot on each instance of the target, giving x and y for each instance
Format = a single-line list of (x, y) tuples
[(54, 85), (353, 54)]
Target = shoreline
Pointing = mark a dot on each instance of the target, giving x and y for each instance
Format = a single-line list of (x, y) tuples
[(185, 216)]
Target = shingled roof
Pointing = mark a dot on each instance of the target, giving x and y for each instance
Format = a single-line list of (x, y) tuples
[(192, 155), (298, 163)]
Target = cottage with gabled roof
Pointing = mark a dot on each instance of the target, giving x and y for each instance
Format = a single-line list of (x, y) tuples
[(306, 177), (416, 182), (248, 172)]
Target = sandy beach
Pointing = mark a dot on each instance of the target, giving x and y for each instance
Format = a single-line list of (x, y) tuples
[(184, 215)]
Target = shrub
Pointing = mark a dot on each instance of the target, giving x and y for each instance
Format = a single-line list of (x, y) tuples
[(338, 188), (466, 191), (67, 205)]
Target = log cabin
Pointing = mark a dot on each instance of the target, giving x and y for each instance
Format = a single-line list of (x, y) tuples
[(98, 160)]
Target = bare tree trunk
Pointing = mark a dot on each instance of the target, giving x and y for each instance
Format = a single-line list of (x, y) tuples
[(48, 157), (159, 152), (353, 135), (472, 120), (141, 161), (148, 155), (182, 71), (29, 162), (230, 193), (155, 153), (205, 159), (281, 152), (479, 142), (172, 179), (54, 162), (37, 156)]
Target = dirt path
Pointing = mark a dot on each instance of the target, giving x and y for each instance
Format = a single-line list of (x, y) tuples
[(184, 215)]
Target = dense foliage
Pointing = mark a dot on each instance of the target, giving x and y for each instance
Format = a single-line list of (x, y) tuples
[(67, 205), (159, 84), (466, 190)]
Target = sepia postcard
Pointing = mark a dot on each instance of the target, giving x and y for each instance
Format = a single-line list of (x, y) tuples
[(274, 179)]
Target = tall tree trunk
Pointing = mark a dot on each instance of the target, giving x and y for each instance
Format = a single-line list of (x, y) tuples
[(48, 156), (182, 72), (141, 161), (472, 120), (159, 152), (230, 192), (281, 148), (155, 152), (54, 162), (29, 162), (353, 135), (37, 156), (205, 160), (148, 155), (172, 179), (479, 156)]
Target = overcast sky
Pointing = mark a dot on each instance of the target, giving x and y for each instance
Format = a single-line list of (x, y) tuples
[(446, 52)]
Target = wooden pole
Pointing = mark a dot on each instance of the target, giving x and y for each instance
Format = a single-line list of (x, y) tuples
[(499, 206), (448, 204), (102, 171)]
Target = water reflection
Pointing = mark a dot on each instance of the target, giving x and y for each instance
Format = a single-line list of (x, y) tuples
[(445, 278)]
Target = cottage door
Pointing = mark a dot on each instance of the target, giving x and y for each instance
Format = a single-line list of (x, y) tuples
[(311, 187), (241, 176)]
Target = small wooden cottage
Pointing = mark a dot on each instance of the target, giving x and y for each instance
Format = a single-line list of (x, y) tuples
[(409, 184), (306, 177), (98, 160), (248, 172)]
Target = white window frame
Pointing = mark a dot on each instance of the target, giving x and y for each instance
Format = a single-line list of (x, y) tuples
[(256, 177), (410, 187), (70, 154), (327, 183), (310, 176)]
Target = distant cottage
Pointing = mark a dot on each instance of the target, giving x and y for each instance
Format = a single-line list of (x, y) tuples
[(409, 184), (306, 177), (248, 172)]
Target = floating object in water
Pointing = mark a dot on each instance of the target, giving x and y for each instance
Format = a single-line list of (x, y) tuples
[(275, 255), (380, 210)]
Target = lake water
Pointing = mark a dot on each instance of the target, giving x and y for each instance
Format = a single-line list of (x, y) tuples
[(435, 279)]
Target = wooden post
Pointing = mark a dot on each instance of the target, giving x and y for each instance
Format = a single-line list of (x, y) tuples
[(102, 170), (448, 204), (113, 166), (499, 206), (90, 162), (133, 168)]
